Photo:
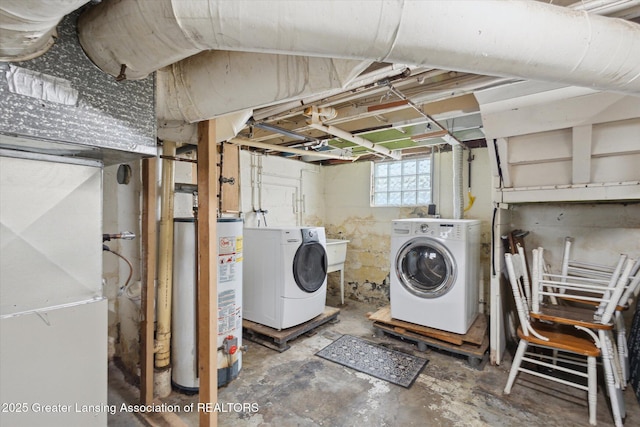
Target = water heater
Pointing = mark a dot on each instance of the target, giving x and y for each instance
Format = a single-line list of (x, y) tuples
[(184, 348)]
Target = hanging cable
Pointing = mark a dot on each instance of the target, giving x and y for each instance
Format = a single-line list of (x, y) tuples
[(472, 198)]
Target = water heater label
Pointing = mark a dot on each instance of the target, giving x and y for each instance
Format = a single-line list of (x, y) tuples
[(228, 312), (227, 268), (227, 245)]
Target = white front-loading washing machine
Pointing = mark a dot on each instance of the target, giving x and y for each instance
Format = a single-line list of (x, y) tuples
[(434, 272), (284, 275)]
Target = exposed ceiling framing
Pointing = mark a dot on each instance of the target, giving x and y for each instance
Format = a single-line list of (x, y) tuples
[(410, 113)]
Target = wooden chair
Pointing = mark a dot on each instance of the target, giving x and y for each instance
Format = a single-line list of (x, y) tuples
[(572, 267), (567, 344), (606, 294)]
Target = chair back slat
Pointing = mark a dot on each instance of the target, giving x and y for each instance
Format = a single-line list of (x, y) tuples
[(617, 293), (535, 273), (632, 290), (568, 241)]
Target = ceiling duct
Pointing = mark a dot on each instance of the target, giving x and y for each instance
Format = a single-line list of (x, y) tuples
[(539, 41), (28, 28), (227, 126), (258, 80)]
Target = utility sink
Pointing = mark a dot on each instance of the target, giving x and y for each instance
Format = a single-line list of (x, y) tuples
[(336, 254)]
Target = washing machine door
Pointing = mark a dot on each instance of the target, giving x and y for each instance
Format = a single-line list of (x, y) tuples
[(425, 268), (310, 262)]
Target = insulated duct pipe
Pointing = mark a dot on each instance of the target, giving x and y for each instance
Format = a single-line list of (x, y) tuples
[(28, 28), (227, 126), (258, 80), (604, 7), (539, 41), (165, 260)]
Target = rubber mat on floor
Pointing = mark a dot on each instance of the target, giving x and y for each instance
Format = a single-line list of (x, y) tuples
[(372, 359)]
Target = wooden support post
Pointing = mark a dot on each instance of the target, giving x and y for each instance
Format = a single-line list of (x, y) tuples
[(148, 278), (207, 271)]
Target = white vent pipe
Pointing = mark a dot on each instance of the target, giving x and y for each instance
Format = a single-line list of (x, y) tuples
[(258, 80), (458, 197), (604, 7), (538, 41), (28, 28)]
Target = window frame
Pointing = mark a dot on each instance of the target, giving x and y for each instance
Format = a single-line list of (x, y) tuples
[(372, 187)]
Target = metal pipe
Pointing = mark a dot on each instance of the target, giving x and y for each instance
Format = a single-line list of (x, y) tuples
[(181, 187), (282, 131), (284, 149), (332, 130), (448, 137)]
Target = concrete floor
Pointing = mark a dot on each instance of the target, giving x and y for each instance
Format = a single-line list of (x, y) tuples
[(297, 388)]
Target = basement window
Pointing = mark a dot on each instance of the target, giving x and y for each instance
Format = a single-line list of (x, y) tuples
[(401, 183)]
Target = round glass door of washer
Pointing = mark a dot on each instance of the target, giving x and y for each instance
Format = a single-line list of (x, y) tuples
[(310, 266), (425, 268)]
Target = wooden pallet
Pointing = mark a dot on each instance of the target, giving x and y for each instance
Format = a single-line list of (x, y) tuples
[(473, 345), (278, 339)]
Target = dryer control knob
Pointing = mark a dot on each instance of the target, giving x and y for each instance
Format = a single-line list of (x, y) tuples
[(424, 227)]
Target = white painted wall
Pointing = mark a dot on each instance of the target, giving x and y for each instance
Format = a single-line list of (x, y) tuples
[(601, 231), (121, 212), (289, 190), (184, 173)]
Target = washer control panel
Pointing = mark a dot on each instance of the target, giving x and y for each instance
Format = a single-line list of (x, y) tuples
[(309, 235), (442, 230)]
